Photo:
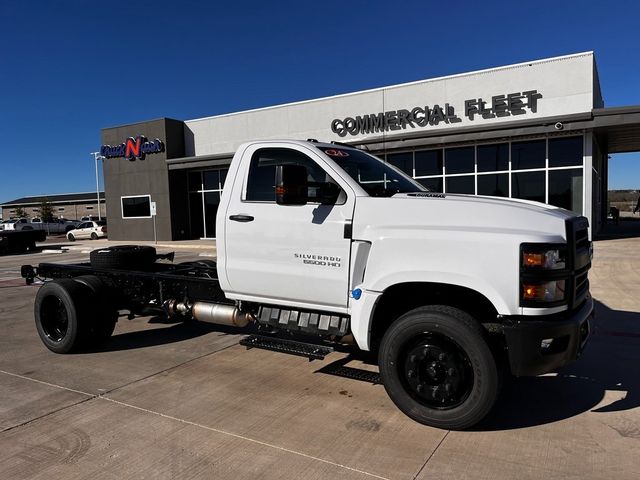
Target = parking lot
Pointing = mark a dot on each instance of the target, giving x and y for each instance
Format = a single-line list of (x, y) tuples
[(165, 400)]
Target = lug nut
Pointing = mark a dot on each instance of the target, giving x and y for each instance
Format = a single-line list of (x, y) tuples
[(411, 373), (420, 388)]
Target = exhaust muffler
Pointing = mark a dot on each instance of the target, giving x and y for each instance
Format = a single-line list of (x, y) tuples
[(213, 313)]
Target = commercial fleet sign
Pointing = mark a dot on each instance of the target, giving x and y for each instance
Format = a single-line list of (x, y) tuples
[(133, 148), (505, 105)]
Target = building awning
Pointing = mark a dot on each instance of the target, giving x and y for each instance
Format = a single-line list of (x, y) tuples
[(202, 161), (619, 127)]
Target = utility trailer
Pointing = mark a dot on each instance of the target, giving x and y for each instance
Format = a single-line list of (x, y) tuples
[(17, 241)]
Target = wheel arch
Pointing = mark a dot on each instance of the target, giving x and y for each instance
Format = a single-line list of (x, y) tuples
[(401, 298)]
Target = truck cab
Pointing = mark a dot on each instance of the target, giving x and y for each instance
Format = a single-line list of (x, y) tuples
[(331, 228)]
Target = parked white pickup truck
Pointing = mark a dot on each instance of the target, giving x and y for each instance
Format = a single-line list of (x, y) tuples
[(324, 240), (56, 225)]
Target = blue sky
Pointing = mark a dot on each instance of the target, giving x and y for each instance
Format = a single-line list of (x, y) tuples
[(70, 68)]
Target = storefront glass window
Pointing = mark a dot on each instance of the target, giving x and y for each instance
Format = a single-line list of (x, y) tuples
[(495, 185), (204, 197), (459, 160), (433, 184), (464, 184), (404, 161), (211, 203), (565, 152), (554, 171), (428, 162), (196, 215), (195, 181), (528, 185), (530, 154), (211, 180), (565, 189), (493, 157)]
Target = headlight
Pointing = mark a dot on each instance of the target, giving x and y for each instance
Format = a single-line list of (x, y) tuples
[(543, 274), (544, 292), (546, 259)]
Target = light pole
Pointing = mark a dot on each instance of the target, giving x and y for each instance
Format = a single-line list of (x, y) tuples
[(96, 157)]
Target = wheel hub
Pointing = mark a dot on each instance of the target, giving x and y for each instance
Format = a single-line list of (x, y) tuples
[(438, 372), (55, 321)]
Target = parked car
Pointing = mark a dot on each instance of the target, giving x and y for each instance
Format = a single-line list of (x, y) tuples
[(92, 230)]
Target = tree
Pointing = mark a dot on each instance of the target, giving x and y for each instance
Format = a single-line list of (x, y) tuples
[(20, 213), (45, 210)]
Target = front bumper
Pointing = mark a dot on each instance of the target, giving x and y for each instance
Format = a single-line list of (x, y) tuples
[(538, 345)]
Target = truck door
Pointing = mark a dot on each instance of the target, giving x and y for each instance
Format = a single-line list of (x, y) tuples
[(287, 254)]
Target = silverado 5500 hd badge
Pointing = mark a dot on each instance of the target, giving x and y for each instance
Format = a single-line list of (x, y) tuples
[(320, 260)]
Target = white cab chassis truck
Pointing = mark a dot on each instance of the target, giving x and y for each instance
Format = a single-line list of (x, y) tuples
[(325, 241)]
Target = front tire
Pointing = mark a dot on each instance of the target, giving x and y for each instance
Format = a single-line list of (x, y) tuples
[(438, 369), (71, 237)]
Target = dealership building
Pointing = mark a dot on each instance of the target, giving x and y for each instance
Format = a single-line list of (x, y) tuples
[(536, 130)]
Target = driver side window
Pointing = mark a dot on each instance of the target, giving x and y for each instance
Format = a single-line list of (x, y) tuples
[(262, 172)]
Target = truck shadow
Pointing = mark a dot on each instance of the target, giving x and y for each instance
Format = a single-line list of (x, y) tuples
[(172, 333), (606, 378)]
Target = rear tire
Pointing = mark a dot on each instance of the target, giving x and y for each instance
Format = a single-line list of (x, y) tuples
[(104, 316), (60, 307), (94, 236), (438, 368)]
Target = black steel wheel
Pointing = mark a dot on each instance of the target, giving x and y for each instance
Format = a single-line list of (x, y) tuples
[(54, 319), (71, 237), (437, 367), (60, 307), (94, 236), (436, 371)]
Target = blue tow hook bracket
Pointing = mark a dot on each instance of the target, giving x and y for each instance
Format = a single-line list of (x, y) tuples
[(356, 293)]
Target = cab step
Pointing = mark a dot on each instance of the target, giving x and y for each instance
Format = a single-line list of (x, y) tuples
[(309, 350)]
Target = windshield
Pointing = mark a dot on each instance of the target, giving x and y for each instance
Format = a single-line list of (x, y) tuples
[(376, 177)]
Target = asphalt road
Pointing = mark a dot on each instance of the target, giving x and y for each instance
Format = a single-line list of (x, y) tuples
[(166, 400)]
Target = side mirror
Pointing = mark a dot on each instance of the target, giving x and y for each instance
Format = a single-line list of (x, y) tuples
[(291, 184)]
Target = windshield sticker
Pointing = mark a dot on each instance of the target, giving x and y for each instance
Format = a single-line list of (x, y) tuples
[(336, 153)]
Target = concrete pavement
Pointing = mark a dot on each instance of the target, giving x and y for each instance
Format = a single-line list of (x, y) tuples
[(185, 401)]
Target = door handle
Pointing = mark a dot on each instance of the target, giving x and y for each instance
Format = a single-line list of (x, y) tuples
[(241, 218)]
